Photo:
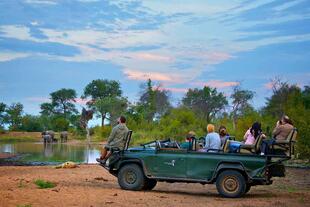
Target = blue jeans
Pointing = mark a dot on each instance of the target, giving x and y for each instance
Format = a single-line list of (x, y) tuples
[(234, 146)]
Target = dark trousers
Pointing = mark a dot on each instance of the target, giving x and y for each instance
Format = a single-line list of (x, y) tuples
[(265, 147)]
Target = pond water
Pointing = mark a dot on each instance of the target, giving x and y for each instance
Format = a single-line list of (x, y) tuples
[(52, 153)]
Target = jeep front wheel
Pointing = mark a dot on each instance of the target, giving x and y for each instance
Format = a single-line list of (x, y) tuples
[(231, 184), (131, 177)]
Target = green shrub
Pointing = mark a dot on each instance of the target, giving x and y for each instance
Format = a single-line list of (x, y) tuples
[(42, 184)]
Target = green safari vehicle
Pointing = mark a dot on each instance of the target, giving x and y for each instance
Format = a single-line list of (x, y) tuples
[(140, 168)]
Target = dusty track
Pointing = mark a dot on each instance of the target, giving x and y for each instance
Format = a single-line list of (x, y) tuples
[(91, 185)]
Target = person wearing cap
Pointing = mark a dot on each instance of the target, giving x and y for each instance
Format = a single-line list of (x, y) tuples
[(188, 141), (116, 139)]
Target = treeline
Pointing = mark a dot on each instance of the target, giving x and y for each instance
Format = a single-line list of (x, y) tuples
[(154, 117)]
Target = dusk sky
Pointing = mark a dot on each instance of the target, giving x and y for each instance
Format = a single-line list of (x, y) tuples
[(46, 45)]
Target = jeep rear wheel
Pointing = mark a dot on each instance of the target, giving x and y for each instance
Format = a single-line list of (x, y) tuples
[(231, 184), (131, 177)]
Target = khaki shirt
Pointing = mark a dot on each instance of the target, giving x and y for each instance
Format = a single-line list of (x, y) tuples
[(118, 136), (282, 131)]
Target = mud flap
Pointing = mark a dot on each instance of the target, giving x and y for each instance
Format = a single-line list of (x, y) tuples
[(277, 170)]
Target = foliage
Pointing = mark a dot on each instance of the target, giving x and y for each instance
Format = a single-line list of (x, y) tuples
[(2, 115), (42, 184), (240, 102), (179, 122), (14, 116), (31, 123), (206, 102), (115, 106), (60, 123), (62, 101), (153, 102), (103, 93)]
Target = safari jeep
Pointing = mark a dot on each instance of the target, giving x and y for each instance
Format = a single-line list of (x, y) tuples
[(140, 168)]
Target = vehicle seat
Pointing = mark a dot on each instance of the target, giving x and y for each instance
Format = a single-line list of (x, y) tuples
[(252, 148), (226, 146), (287, 145)]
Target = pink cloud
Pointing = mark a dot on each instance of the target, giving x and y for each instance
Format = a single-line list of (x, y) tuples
[(81, 101), (152, 57), (156, 76), (217, 83), (217, 57), (269, 85)]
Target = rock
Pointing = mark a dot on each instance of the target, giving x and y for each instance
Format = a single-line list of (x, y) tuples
[(101, 178)]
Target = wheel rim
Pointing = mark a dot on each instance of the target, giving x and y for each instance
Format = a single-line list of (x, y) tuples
[(230, 184), (130, 177)]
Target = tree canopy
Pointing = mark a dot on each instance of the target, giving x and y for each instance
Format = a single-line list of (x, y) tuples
[(206, 102)]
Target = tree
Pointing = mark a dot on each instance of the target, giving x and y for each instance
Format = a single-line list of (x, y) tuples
[(100, 91), (14, 116), (206, 102), (240, 100), (2, 114), (154, 100), (62, 101), (47, 109), (275, 105), (306, 97), (31, 123), (111, 106)]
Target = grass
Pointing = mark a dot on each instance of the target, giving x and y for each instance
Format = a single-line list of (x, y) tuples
[(21, 184), (42, 184), (26, 205)]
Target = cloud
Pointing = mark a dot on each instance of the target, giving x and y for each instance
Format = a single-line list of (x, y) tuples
[(269, 85), (155, 76), (43, 2), (8, 56), (81, 101), (217, 83), (152, 57), (176, 90)]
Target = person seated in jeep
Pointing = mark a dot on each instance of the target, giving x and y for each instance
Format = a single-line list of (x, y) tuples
[(213, 140), (188, 140), (115, 140)]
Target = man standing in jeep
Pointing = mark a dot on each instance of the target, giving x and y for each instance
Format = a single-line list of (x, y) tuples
[(115, 140)]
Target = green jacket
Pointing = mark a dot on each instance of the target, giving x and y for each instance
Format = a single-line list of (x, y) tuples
[(118, 136)]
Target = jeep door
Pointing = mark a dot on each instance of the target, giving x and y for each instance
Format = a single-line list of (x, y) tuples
[(201, 165), (168, 163)]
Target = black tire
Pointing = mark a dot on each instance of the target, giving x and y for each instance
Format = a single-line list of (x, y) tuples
[(231, 184), (150, 184), (131, 177)]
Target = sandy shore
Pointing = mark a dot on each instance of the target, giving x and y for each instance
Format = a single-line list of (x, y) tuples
[(91, 185)]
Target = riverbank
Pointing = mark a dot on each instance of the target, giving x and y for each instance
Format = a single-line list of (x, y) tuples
[(91, 185)]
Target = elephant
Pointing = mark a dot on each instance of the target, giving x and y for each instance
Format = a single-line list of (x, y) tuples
[(48, 136), (64, 136)]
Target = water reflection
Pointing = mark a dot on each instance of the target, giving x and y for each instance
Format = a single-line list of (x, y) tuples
[(51, 152)]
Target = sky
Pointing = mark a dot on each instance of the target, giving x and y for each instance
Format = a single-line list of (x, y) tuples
[(46, 45)]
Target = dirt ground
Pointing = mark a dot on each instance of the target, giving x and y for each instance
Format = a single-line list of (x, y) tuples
[(91, 185)]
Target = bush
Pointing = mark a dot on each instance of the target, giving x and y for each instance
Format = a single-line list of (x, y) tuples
[(100, 133), (60, 124), (31, 123), (42, 184)]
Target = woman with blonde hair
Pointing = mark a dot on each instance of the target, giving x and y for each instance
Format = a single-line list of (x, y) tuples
[(213, 141)]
